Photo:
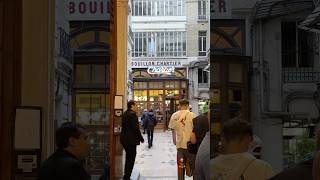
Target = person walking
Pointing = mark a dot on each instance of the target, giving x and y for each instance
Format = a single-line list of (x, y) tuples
[(143, 117), (130, 137), (150, 123), (181, 125), (66, 162)]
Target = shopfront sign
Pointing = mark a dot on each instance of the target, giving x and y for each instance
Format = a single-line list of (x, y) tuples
[(220, 9), (88, 9), (144, 64), (161, 70)]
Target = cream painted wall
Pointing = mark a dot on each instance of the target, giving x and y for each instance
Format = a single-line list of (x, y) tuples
[(194, 26), (36, 64), (122, 35)]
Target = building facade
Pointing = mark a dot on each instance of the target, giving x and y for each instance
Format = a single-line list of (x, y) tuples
[(198, 35), (165, 57), (40, 76), (285, 54), (263, 71), (159, 56)]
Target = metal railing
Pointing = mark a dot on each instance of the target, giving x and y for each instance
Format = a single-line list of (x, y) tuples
[(64, 45), (130, 32), (203, 85), (300, 75), (202, 17)]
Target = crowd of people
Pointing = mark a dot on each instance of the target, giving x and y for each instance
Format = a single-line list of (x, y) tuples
[(191, 136)]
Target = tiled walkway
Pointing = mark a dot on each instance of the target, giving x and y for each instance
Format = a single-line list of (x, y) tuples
[(158, 162)]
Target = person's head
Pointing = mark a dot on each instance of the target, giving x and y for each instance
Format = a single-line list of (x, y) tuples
[(236, 136), (73, 138), (132, 105), (184, 104)]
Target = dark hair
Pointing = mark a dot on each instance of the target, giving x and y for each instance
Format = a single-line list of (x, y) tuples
[(130, 104), (184, 102), (151, 110), (65, 131), (236, 129)]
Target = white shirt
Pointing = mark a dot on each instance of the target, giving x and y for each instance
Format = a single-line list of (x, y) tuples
[(232, 166), (181, 122)]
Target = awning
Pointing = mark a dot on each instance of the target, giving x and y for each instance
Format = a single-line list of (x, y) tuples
[(312, 22), (267, 9)]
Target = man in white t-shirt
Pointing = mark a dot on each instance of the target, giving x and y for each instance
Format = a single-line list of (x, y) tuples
[(235, 162), (181, 125)]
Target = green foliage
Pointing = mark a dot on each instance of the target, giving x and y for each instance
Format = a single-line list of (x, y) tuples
[(203, 108), (304, 147)]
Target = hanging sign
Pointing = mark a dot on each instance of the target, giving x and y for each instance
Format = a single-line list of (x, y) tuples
[(220, 9), (161, 70), (88, 9)]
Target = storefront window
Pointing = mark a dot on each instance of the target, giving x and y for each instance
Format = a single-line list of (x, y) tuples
[(140, 95), (235, 73), (235, 98), (91, 109), (183, 84), (140, 85), (96, 159), (172, 84), (172, 92), (98, 73), (93, 75), (82, 73), (141, 107), (155, 85), (155, 95)]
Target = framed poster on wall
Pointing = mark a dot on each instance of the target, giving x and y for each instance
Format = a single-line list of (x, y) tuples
[(27, 139)]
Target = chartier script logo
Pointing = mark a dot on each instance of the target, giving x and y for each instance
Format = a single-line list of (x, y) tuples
[(161, 70)]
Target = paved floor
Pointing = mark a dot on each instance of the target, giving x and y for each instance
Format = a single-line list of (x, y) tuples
[(158, 162)]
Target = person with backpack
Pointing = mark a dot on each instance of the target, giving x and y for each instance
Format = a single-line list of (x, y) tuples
[(236, 162), (143, 117), (150, 122), (181, 125)]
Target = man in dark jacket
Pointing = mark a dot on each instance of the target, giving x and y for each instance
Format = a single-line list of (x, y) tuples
[(200, 128), (66, 162), (150, 122), (130, 137)]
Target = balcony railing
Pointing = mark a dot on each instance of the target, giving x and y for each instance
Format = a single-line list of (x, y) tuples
[(64, 46), (202, 17), (300, 75), (130, 32), (203, 85)]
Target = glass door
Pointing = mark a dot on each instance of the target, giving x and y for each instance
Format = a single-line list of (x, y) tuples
[(92, 111)]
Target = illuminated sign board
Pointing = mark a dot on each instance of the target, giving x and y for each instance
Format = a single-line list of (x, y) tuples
[(161, 70), (146, 64), (88, 9), (158, 65)]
